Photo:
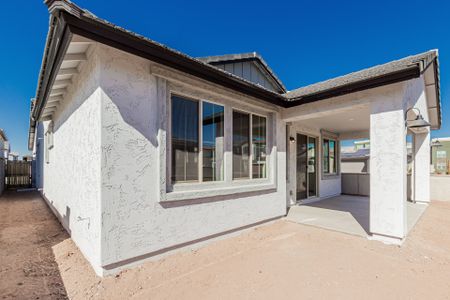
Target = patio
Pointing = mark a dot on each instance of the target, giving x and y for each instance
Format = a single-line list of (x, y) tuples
[(347, 214)]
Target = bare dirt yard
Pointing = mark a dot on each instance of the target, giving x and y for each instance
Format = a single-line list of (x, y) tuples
[(280, 260)]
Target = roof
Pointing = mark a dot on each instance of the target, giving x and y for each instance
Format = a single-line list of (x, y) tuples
[(3, 135), (251, 56), (360, 153), (67, 19), (393, 67)]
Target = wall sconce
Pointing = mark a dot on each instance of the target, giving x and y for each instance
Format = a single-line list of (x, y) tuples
[(292, 139), (418, 122)]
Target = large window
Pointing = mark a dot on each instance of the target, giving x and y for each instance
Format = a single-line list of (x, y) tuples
[(248, 144), (187, 164), (329, 156), (198, 141)]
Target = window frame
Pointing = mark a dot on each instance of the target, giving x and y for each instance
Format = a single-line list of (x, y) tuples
[(328, 174), (200, 102), (250, 177)]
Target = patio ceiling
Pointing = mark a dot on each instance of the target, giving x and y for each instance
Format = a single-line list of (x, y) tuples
[(348, 121)]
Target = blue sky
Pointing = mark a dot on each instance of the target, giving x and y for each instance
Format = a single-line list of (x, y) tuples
[(303, 41)]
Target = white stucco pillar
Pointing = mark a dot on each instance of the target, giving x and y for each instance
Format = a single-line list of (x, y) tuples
[(388, 163), (421, 169)]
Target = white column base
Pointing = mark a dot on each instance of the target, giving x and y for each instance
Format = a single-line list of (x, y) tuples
[(388, 240)]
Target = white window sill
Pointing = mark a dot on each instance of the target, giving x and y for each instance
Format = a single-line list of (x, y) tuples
[(218, 189)]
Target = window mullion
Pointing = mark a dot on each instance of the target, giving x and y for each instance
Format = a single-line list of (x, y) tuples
[(250, 147), (200, 141)]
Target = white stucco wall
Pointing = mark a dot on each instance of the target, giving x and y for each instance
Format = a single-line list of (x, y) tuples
[(71, 182), (415, 96), (39, 160), (135, 221), (388, 182)]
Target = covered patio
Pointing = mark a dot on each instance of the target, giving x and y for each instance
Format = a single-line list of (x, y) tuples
[(380, 105), (347, 214)]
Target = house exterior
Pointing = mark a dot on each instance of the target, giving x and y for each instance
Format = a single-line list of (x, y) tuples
[(5, 148), (141, 149), (440, 155)]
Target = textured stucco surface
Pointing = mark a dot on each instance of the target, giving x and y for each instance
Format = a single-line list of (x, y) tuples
[(39, 158), (388, 164), (135, 222), (71, 182)]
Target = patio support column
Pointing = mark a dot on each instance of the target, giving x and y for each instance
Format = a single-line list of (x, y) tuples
[(421, 167), (388, 166)]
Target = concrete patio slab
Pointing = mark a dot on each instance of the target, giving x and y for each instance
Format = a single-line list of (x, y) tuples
[(345, 213)]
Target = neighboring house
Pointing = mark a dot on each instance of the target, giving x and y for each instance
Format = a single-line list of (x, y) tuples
[(4, 145), (13, 156), (365, 144), (440, 159), (143, 149), (356, 162)]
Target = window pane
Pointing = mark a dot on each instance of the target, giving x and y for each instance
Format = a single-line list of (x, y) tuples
[(326, 158), (184, 140), (311, 166), (213, 124), (332, 156), (259, 147), (241, 141)]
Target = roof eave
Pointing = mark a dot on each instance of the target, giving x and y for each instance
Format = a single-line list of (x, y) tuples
[(70, 20), (385, 79)]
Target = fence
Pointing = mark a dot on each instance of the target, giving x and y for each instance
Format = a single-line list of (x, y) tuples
[(356, 184), (18, 174), (359, 184), (440, 187)]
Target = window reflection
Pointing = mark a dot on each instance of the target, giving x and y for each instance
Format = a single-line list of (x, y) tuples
[(259, 147), (185, 140), (241, 141), (213, 139)]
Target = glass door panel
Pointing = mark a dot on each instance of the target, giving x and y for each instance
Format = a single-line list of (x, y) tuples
[(312, 169), (302, 158)]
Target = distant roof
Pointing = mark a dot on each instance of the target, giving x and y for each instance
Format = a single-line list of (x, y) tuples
[(393, 67), (217, 59), (360, 153)]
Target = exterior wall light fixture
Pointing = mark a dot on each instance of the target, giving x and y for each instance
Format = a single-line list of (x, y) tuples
[(418, 122)]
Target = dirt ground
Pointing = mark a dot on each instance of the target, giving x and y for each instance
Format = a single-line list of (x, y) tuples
[(281, 260)]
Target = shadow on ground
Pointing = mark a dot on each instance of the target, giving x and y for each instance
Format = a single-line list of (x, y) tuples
[(28, 232)]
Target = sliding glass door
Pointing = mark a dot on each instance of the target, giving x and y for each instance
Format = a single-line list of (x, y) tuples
[(306, 166)]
